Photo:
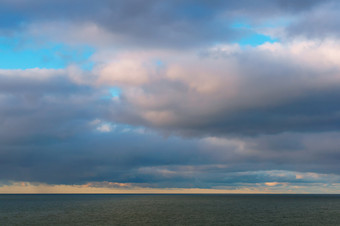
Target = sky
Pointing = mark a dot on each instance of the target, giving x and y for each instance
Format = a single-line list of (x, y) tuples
[(169, 96)]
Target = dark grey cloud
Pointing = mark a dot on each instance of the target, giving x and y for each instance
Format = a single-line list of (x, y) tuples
[(154, 23), (49, 135), (158, 162), (43, 103), (319, 23)]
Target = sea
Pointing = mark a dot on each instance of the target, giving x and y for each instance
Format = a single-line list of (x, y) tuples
[(155, 209)]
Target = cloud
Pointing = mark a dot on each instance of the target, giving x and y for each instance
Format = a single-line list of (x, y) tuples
[(105, 128), (148, 160), (246, 126), (174, 99), (174, 24), (224, 91), (320, 23), (43, 103)]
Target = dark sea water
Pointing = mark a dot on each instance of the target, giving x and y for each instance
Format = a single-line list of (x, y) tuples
[(170, 210)]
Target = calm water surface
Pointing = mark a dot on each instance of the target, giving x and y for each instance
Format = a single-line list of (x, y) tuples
[(170, 210)]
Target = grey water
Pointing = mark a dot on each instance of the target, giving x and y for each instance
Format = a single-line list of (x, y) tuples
[(170, 210)]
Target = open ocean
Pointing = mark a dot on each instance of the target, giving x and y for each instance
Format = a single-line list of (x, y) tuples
[(170, 210)]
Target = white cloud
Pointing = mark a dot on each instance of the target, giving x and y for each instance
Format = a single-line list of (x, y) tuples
[(105, 128)]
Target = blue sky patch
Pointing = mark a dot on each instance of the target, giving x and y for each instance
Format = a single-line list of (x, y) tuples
[(256, 39), (158, 63), (251, 38), (14, 54), (240, 25), (115, 92)]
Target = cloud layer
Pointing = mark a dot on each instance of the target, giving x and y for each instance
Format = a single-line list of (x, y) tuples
[(172, 97)]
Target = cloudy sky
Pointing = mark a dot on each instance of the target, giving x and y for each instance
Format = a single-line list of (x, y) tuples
[(170, 96)]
